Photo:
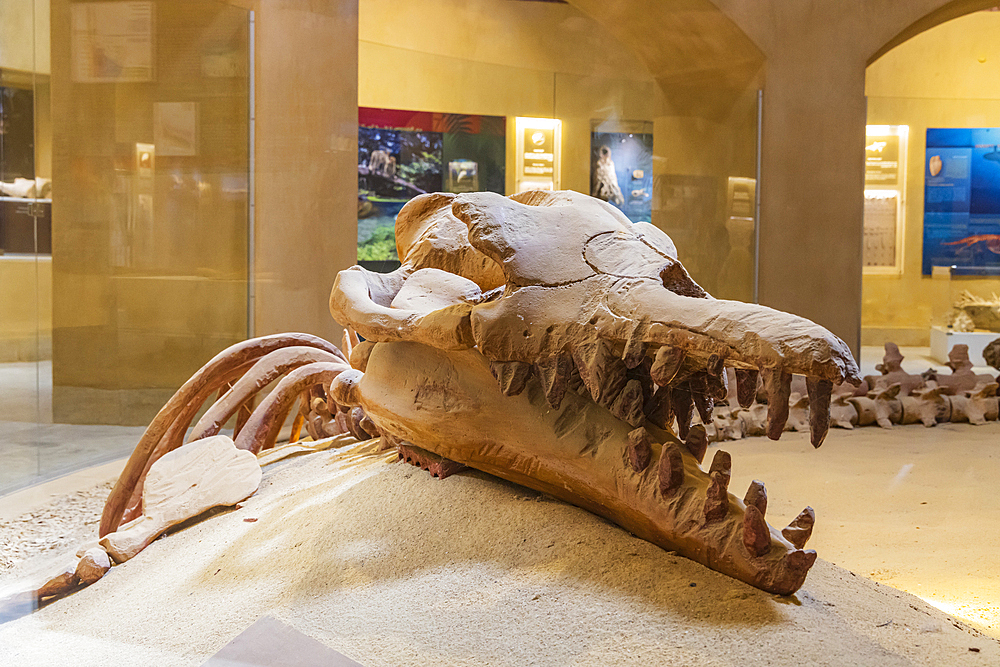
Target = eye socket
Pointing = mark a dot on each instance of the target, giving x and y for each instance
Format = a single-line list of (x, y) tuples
[(677, 280)]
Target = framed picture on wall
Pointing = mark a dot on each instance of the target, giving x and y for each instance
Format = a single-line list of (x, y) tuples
[(962, 201), (404, 154), (885, 192), (621, 166)]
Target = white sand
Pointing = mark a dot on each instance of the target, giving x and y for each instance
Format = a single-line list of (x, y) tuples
[(392, 567)]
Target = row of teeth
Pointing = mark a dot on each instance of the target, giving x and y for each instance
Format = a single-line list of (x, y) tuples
[(670, 478), (636, 386)]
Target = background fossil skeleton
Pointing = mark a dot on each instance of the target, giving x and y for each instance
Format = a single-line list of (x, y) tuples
[(893, 397), (546, 339)]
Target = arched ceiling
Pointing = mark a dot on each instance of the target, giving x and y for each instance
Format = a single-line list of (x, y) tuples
[(700, 58), (947, 12)]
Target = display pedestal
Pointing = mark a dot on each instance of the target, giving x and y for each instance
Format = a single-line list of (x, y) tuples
[(943, 339)]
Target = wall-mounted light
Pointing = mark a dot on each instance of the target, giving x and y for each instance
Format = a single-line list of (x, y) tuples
[(538, 142)]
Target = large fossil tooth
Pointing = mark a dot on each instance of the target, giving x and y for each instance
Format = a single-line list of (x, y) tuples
[(635, 346), (554, 374), (715, 365), (722, 467), (717, 384), (800, 529), (697, 441), (746, 386), (601, 370), (640, 451), (511, 375), (702, 401), (628, 405), (778, 385), (756, 534), (683, 406), (641, 373), (819, 408), (671, 470), (666, 364), (798, 562), (717, 496), (658, 409), (756, 496)]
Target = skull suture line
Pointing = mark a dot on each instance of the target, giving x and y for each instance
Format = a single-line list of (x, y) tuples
[(546, 339)]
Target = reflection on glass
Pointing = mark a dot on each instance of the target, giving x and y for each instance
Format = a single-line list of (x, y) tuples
[(123, 221)]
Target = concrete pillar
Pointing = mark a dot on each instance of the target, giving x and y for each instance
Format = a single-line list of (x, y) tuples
[(306, 160)]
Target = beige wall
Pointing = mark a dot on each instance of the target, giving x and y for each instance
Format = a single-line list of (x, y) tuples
[(945, 77), (140, 302), (306, 160)]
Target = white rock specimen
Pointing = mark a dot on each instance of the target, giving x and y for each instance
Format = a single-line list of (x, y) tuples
[(207, 473)]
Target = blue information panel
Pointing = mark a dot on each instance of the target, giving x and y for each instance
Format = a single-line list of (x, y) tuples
[(962, 200)]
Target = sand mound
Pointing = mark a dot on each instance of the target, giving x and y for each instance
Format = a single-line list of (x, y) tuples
[(393, 567)]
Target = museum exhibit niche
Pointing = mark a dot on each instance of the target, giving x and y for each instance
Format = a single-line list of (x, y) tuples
[(471, 331)]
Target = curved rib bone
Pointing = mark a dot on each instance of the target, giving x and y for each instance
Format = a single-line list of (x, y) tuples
[(264, 424), (176, 415), (264, 372)]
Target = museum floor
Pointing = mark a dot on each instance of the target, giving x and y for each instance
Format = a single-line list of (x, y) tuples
[(390, 566), (34, 449)]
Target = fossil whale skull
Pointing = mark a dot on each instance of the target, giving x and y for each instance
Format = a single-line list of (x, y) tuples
[(546, 339)]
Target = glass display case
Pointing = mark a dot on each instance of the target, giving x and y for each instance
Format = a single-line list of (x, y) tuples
[(966, 311)]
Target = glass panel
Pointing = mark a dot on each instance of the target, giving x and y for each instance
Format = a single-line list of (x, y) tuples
[(132, 249), (24, 244)]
